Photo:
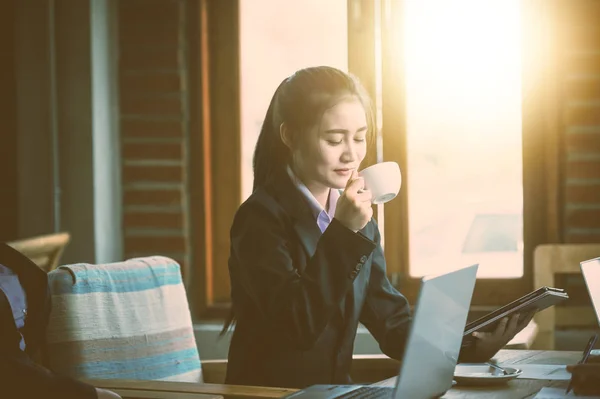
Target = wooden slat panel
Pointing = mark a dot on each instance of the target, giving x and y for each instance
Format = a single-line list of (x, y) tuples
[(168, 58), (586, 194), (152, 11), (583, 169), (155, 244), (151, 127), (152, 150), (137, 220), (154, 113), (583, 89), (150, 82), (582, 218), (151, 23), (168, 174), (152, 197), (167, 105), (584, 142), (582, 238)]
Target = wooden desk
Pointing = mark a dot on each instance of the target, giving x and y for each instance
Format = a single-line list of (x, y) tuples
[(517, 388), (146, 394), (364, 366), (187, 390)]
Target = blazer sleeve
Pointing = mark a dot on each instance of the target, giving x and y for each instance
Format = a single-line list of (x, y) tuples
[(386, 312), (299, 304)]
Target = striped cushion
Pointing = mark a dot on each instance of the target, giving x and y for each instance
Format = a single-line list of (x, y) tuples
[(122, 320)]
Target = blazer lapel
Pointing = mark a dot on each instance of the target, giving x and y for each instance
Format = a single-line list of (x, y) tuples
[(308, 233), (304, 224)]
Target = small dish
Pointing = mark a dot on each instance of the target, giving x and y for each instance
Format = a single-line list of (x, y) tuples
[(483, 374)]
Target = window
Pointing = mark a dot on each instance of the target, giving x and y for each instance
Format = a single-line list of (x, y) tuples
[(276, 39), (446, 80), (463, 121), (494, 233)]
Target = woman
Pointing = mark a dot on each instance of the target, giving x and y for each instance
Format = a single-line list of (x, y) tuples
[(306, 264)]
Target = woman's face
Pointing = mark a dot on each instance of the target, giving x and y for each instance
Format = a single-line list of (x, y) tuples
[(330, 151)]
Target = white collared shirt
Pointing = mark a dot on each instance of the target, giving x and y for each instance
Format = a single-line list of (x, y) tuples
[(322, 217)]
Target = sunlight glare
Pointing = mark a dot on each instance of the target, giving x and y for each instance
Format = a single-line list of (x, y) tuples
[(463, 90)]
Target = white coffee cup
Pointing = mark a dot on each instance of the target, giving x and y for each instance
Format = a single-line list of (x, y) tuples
[(383, 180)]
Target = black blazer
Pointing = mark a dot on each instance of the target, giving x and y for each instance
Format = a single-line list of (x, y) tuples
[(298, 295), (19, 375)]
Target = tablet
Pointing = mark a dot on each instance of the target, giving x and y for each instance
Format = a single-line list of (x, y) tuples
[(537, 300)]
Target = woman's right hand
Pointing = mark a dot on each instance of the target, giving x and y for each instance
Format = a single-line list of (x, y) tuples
[(354, 209)]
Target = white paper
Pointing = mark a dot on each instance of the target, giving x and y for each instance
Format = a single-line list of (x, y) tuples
[(544, 372), (557, 393)]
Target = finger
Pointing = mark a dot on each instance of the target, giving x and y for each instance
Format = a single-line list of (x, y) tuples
[(369, 212), (364, 196), (481, 335), (525, 321), (501, 328), (352, 177), (511, 328), (355, 185)]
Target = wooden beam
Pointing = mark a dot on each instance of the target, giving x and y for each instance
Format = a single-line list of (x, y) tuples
[(361, 54)]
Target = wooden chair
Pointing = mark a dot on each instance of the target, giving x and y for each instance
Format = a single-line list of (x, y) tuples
[(549, 260), (127, 319), (45, 251)]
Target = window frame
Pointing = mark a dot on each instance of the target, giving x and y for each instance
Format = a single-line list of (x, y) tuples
[(216, 134), (542, 166)]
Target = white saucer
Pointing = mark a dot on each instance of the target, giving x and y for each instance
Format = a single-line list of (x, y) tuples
[(483, 374)]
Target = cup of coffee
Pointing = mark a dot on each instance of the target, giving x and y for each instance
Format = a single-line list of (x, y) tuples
[(383, 180)]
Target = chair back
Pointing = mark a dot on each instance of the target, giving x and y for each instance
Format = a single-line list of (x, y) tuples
[(125, 320), (548, 261), (44, 251)]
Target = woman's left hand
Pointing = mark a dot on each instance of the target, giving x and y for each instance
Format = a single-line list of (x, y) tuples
[(487, 344)]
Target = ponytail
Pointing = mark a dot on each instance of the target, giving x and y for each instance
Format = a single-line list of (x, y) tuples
[(270, 154)]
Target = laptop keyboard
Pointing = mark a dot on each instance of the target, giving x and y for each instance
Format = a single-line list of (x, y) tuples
[(369, 393)]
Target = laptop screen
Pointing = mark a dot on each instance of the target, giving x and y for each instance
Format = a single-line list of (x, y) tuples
[(591, 273)]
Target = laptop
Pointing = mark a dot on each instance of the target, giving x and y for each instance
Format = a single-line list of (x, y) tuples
[(432, 347), (591, 274)]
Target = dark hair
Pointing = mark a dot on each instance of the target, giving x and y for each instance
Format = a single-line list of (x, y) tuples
[(300, 102)]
